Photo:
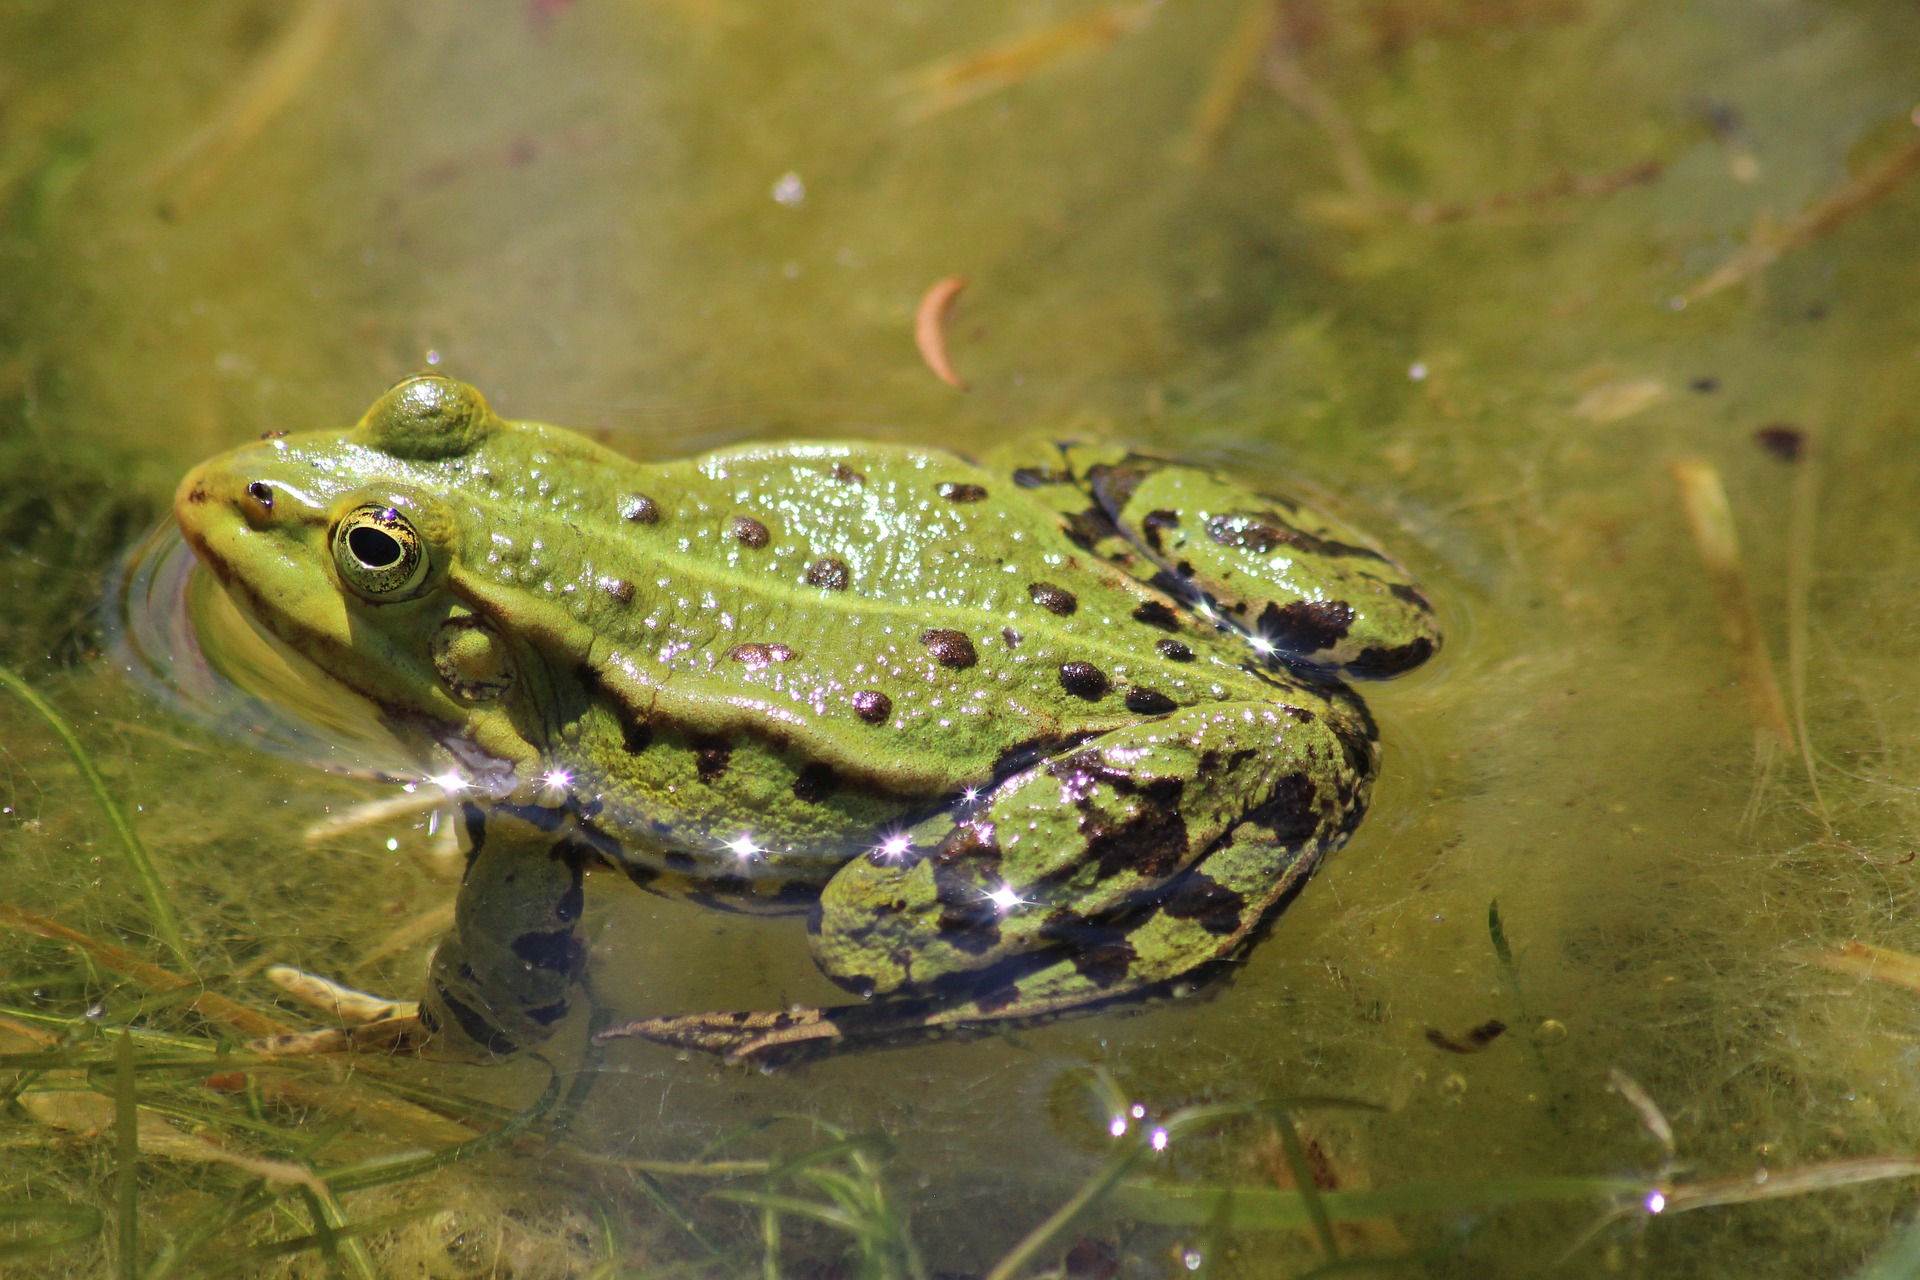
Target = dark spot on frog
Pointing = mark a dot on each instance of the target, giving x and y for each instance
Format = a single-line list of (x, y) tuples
[(829, 573), (1039, 477), (1184, 568), (1378, 662), (1155, 523), (1292, 810), (1174, 651), (972, 844), (1011, 637), (273, 435), (619, 588), (969, 923), (198, 493), (476, 821), (844, 474), (1084, 680), (547, 1015), (635, 736), (749, 532), (1264, 531), (1051, 598), (997, 996), (1157, 613), (949, 648), (1408, 594), (1306, 626), (556, 952), (1197, 896), (711, 757), (1100, 953), (1087, 529), (1149, 702), (756, 656), (474, 1025), (872, 706), (1151, 842), (816, 782), (954, 492), (639, 509), (1783, 440)]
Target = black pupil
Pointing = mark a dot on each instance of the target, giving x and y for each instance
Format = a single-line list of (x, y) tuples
[(374, 548), (261, 493)]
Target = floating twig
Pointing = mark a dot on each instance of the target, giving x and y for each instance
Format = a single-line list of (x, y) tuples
[(930, 332), (1864, 960), (1233, 71), (1821, 218), (1800, 534), (208, 1004), (1290, 80), (1711, 522), (953, 82), (280, 72)]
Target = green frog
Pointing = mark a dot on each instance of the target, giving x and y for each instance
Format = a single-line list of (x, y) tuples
[(1023, 736)]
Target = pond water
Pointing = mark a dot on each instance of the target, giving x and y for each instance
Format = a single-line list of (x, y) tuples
[(1553, 297)]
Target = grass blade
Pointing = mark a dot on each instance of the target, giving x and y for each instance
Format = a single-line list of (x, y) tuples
[(165, 923), (126, 1135), (1091, 1192), (1266, 1209)]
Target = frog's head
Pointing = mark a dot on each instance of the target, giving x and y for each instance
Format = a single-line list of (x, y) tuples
[(344, 546)]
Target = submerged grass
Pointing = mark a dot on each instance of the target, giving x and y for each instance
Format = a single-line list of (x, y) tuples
[(166, 921)]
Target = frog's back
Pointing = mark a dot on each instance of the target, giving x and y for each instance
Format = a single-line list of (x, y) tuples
[(894, 608)]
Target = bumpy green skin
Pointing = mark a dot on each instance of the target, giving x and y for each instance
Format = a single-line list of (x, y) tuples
[(1031, 733)]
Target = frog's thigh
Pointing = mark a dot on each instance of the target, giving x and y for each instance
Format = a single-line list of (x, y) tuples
[(1298, 580), (504, 975), (1205, 915), (1079, 854)]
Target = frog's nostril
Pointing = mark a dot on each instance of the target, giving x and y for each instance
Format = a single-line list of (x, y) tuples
[(261, 493)]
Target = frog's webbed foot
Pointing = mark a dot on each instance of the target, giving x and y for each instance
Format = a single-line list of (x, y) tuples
[(738, 1037), (373, 1024)]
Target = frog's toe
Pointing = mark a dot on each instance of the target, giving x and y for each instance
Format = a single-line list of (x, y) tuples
[(736, 1036)]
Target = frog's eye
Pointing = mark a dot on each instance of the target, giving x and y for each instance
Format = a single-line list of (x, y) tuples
[(379, 552)]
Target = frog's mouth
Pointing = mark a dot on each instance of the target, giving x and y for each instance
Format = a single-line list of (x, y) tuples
[(265, 542)]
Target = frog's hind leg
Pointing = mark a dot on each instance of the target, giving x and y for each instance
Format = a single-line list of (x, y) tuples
[(1205, 916), (1299, 582), (1105, 872), (503, 976)]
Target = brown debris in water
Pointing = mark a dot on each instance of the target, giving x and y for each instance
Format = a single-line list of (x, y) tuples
[(930, 329), (1818, 219)]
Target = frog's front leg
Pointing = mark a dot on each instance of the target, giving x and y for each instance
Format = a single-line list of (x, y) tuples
[(1109, 870), (504, 974)]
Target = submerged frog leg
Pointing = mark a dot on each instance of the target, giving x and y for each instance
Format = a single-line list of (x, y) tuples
[(504, 975), (1105, 872), (1298, 582)]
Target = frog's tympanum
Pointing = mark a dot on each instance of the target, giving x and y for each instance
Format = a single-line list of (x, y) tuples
[(1024, 736)]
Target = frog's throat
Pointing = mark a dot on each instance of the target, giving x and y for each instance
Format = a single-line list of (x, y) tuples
[(570, 645)]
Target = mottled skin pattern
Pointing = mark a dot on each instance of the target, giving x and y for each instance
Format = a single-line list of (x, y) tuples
[(1028, 737)]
